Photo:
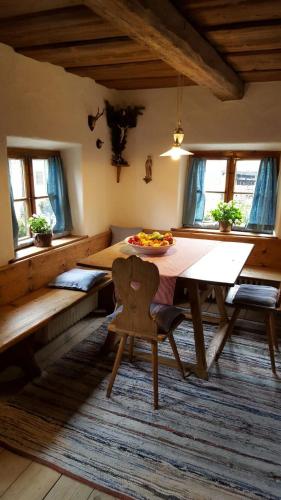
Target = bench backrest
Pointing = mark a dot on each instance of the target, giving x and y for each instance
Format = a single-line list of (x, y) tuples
[(266, 252), (19, 278)]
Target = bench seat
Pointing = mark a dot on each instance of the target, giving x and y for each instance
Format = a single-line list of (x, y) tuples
[(269, 274), (24, 316)]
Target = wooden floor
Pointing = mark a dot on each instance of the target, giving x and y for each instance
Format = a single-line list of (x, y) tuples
[(23, 479)]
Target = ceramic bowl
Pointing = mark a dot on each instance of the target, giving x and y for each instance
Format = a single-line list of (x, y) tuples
[(138, 249)]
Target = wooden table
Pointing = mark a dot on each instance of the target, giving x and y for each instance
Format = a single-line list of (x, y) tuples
[(214, 263)]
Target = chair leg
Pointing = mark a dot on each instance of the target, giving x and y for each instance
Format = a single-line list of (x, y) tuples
[(229, 331), (131, 349), (270, 336), (154, 348), (176, 354), (116, 364), (274, 332)]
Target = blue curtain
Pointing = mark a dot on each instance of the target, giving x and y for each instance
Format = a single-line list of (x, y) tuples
[(262, 215), (194, 199), (14, 218), (58, 195)]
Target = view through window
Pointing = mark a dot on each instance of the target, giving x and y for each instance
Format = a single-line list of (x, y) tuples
[(29, 177), (224, 182)]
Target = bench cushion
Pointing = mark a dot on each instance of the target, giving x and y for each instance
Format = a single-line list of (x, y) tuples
[(120, 233), (256, 295), (77, 279)]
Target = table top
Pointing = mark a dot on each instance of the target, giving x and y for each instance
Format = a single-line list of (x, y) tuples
[(197, 259)]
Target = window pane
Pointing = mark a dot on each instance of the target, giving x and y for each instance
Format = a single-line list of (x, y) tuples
[(43, 207), (212, 199), (16, 167), (22, 218), (245, 203), (246, 175), (215, 175), (40, 176)]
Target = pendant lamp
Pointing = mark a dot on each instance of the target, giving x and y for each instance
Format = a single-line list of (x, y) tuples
[(176, 151)]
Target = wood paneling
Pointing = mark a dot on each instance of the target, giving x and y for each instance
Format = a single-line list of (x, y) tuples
[(76, 23), (11, 8), (209, 13), (91, 54), (143, 83), (22, 277), (245, 39), (149, 69), (142, 75), (255, 61), (261, 76)]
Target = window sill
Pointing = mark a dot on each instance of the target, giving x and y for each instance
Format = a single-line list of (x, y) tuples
[(25, 253), (216, 234)]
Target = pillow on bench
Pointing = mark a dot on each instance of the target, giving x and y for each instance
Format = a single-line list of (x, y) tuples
[(77, 279), (120, 233)]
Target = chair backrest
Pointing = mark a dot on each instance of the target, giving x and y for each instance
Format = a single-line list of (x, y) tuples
[(136, 282)]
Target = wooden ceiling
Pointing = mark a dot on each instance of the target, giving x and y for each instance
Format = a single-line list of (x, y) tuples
[(118, 53)]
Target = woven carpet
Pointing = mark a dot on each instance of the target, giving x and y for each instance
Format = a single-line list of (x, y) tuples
[(223, 432)]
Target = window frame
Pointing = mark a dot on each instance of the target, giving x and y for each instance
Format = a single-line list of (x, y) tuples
[(27, 155), (232, 157)]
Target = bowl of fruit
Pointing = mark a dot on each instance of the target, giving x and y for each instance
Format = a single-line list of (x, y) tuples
[(151, 244)]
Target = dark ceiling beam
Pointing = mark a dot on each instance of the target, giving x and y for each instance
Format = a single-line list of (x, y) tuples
[(166, 32)]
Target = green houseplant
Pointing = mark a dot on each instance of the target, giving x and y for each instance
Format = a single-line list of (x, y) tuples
[(41, 230), (227, 214)]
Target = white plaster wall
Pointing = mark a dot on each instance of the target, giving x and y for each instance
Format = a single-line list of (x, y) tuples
[(251, 123), (42, 101)]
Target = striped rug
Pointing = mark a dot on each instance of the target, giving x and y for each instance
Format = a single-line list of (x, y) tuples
[(225, 432)]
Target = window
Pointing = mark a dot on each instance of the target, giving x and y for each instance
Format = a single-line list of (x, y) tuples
[(38, 187), (227, 176)]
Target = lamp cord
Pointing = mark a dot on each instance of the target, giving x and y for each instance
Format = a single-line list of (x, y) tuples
[(179, 97)]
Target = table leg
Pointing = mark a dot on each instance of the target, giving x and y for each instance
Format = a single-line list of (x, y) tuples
[(221, 304), (195, 305)]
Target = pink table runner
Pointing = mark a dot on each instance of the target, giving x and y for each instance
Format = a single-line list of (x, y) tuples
[(172, 264)]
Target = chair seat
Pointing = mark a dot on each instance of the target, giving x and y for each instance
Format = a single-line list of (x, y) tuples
[(165, 316), (254, 295)]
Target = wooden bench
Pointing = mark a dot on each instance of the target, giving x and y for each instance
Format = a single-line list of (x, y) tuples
[(27, 304)]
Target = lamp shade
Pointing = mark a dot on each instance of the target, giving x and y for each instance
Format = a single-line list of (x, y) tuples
[(176, 152)]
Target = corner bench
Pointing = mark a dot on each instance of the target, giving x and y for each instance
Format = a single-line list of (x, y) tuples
[(263, 264), (26, 314)]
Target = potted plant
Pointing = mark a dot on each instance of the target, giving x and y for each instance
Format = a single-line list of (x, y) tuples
[(227, 214), (41, 230)]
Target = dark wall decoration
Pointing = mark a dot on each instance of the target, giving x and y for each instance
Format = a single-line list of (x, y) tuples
[(119, 121), (92, 119)]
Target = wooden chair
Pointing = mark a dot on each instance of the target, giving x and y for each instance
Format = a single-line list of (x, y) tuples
[(136, 283), (259, 298)]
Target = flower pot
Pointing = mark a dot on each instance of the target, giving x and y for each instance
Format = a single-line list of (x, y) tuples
[(42, 239), (224, 226)]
